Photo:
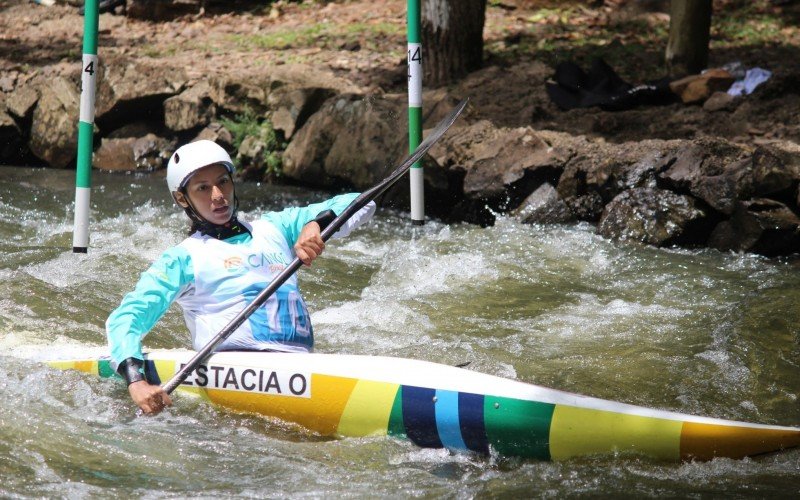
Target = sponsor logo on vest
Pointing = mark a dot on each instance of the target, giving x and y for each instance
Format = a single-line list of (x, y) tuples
[(255, 260), (232, 264), (244, 379), (275, 262)]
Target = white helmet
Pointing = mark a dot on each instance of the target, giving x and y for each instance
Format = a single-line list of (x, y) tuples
[(190, 158)]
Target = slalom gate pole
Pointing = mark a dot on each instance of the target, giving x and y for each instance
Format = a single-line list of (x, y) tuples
[(415, 111), (83, 174)]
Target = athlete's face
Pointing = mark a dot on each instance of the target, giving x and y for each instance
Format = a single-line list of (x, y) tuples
[(210, 191)]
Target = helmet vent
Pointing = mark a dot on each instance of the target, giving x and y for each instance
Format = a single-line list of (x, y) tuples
[(177, 158)]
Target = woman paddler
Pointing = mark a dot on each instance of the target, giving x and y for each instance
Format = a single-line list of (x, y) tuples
[(220, 268)]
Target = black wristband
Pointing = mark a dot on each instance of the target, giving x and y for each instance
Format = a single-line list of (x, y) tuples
[(324, 218), (132, 370)]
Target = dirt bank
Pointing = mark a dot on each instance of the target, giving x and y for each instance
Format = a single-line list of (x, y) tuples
[(365, 42)]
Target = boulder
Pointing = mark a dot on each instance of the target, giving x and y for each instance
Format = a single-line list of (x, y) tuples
[(734, 174), (294, 91), (763, 226), (152, 152), (609, 169), (216, 132), (191, 109), (142, 154), (351, 141), (114, 154), (709, 169), (291, 107), (543, 206), (257, 157), (653, 216), (588, 207), (692, 160), (54, 130), (20, 101), (130, 90), (495, 159)]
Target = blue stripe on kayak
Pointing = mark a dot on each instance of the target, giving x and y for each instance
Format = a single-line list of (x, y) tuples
[(447, 421), (419, 416), (473, 428)]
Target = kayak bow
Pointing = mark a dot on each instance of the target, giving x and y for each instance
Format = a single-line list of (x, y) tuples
[(437, 406)]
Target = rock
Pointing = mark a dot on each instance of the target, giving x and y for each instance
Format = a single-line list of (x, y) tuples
[(216, 132), (774, 170), (268, 89), (54, 130), (21, 101), (252, 155), (350, 141), (723, 175), (698, 88), (609, 169), (191, 109), (721, 191), (720, 101), (544, 206), (292, 107), (495, 159), (7, 82), (653, 216), (130, 90), (709, 169), (763, 226), (152, 152), (143, 154), (115, 154)]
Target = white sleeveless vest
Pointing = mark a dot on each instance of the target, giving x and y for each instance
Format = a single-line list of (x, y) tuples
[(228, 276)]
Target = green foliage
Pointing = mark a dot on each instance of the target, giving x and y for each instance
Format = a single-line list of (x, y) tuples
[(249, 124), (241, 126)]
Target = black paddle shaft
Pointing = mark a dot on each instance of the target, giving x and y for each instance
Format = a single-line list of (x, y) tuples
[(354, 206)]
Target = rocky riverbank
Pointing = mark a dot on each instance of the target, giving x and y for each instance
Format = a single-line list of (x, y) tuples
[(724, 175)]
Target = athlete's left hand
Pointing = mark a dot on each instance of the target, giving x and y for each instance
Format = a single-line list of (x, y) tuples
[(309, 244)]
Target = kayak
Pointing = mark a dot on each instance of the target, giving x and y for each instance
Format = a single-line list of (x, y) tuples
[(441, 406)]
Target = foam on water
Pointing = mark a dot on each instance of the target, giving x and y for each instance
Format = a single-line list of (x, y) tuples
[(686, 330)]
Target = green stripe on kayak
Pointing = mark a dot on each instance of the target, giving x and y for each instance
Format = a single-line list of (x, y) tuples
[(518, 428), (397, 427), (104, 368)]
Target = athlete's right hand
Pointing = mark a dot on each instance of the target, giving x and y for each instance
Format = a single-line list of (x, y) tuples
[(150, 398)]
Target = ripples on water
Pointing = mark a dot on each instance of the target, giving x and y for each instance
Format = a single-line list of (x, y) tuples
[(692, 331)]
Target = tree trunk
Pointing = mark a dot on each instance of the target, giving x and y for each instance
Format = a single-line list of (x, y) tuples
[(452, 39), (689, 30)]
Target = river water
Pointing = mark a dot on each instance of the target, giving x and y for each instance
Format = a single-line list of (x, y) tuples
[(695, 331)]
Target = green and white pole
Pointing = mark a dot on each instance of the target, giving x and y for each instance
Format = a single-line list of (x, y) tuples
[(83, 176), (415, 111)]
